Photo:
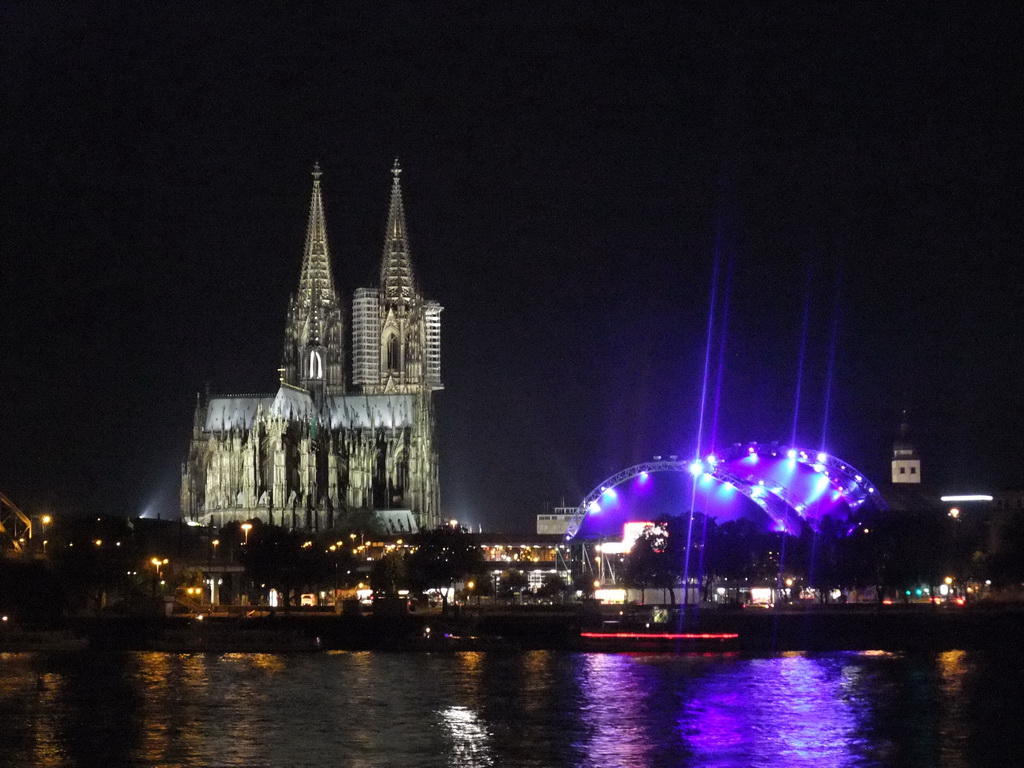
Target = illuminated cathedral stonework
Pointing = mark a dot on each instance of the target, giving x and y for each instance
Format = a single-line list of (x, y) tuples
[(328, 444)]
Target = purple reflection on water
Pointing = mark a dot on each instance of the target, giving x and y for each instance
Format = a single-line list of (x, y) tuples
[(726, 711), (789, 711), (617, 697)]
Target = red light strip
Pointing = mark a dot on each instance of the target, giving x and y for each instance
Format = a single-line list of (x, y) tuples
[(662, 635)]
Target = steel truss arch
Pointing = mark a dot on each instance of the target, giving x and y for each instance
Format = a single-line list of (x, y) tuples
[(777, 501), (14, 524)]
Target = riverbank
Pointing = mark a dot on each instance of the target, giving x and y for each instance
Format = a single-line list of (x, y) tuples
[(805, 628)]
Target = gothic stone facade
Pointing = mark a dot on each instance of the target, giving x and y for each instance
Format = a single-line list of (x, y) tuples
[(327, 444)]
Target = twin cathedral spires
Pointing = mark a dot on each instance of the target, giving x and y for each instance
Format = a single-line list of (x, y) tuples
[(396, 339), (333, 438)]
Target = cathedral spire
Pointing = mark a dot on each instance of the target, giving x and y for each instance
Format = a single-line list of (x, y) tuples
[(315, 332), (397, 284), (315, 281)]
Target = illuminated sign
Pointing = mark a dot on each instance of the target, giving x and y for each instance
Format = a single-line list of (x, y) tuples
[(630, 533)]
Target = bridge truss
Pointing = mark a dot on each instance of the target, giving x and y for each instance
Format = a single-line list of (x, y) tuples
[(15, 525)]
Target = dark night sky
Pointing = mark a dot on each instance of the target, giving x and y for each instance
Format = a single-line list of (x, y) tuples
[(569, 175)]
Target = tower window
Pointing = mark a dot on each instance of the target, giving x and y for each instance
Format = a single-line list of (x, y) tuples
[(913, 470), (316, 365), (903, 470), (393, 353)]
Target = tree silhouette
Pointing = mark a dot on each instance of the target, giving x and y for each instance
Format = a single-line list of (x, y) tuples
[(443, 556)]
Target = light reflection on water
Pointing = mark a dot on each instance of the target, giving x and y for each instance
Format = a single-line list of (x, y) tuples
[(795, 708), (469, 737), (508, 709)]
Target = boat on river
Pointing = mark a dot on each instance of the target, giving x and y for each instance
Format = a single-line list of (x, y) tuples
[(646, 640)]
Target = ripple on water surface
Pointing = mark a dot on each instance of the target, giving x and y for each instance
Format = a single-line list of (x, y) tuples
[(510, 709)]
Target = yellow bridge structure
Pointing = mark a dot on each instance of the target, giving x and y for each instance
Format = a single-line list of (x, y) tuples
[(15, 526)]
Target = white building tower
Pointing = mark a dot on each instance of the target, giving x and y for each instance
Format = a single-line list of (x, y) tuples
[(906, 465)]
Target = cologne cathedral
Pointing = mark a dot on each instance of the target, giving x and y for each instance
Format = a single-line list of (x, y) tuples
[(332, 441)]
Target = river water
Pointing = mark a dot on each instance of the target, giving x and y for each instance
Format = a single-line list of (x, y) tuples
[(540, 708)]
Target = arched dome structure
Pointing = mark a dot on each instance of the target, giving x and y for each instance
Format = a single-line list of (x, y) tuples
[(783, 488)]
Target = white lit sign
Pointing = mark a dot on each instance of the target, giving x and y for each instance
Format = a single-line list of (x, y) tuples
[(630, 533), (968, 497)]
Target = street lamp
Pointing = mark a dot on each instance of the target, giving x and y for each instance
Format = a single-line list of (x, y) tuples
[(157, 564), (246, 527), (44, 521)]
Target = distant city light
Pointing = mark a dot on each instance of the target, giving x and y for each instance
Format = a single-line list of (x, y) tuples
[(968, 497)]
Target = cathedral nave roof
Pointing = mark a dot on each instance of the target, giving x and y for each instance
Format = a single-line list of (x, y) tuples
[(368, 411), (234, 412)]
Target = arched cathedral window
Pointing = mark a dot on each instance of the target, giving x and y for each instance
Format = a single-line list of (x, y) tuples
[(393, 353), (316, 365)]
